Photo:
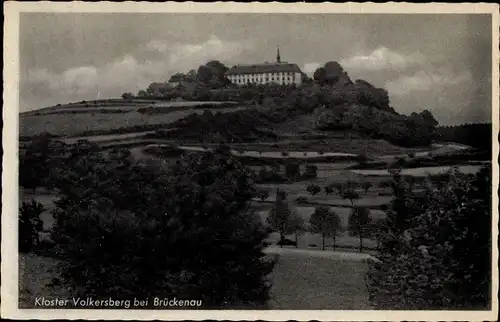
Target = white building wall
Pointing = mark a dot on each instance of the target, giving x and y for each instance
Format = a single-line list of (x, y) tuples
[(265, 78), (298, 78)]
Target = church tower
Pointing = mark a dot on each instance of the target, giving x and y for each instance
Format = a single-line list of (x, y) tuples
[(278, 58)]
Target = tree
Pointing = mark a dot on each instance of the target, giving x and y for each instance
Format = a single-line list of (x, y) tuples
[(313, 189), (311, 171), (280, 218), (281, 194), (185, 229), (376, 229), (142, 93), (366, 186), (328, 189), (350, 194), (127, 95), (339, 187), (359, 221), (30, 225), (385, 184), (34, 165), (436, 251), (292, 170), (325, 222), (297, 226), (264, 194), (212, 74), (320, 75)]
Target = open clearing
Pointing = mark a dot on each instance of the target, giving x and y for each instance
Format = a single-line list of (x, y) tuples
[(75, 124), (300, 280)]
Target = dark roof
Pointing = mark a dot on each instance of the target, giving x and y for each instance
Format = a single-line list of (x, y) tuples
[(264, 68)]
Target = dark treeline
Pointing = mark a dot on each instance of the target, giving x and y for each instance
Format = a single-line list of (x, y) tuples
[(477, 135)]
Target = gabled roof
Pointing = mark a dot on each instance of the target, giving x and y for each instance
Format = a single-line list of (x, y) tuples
[(264, 68)]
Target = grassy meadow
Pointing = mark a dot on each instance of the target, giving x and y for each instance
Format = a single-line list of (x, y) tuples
[(75, 119)]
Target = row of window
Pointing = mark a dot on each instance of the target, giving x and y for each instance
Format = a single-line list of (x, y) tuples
[(262, 75), (245, 81)]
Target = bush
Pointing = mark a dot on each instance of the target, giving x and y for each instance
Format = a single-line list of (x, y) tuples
[(301, 200), (292, 170), (133, 228), (30, 225), (313, 189)]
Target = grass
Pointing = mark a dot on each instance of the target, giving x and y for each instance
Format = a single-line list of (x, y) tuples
[(36, 273), (298, 282), (298, 189), (334, 144), (102, 123), (313, 283)]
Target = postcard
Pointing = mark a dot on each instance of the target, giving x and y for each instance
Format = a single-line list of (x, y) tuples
[(250, 161)]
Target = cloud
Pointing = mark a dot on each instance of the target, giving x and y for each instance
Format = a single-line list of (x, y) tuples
[(190, 55), (131, 72), (423, 81), (382, 58), (310, 68), (157, 45)]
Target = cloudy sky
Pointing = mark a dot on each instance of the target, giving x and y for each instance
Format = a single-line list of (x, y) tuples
[(436, 62)]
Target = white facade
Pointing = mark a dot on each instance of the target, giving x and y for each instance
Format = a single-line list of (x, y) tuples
[(282, 78)]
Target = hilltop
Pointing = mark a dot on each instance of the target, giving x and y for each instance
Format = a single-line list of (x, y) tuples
[(206, 108)]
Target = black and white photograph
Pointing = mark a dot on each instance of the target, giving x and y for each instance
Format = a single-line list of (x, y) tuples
[(250, 160)]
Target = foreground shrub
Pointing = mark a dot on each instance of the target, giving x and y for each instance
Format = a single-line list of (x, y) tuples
[(30, 225), (127, 229), (435, 248)]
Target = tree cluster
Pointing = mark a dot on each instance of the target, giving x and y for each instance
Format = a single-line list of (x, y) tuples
[(142, 228), (435, 250), (476, 135)]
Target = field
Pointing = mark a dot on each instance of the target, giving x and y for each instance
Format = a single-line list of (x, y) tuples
[(299, 281), (315, 283), (67, 123)]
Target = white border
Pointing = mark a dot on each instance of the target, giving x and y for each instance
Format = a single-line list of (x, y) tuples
[(9, 286)]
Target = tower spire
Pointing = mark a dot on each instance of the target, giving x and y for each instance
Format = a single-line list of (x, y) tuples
[(278, 58)]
